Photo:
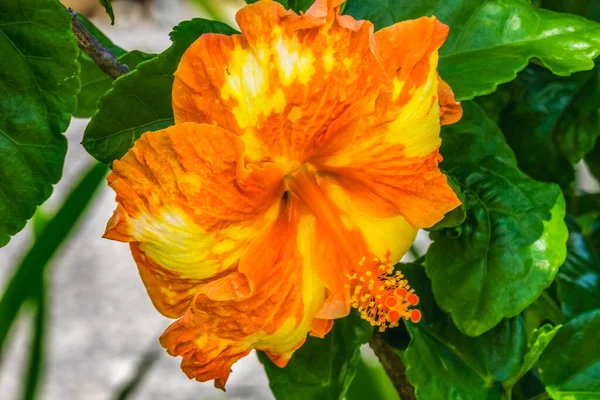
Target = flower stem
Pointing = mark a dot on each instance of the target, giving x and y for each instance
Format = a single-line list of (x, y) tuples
[(393, 366)]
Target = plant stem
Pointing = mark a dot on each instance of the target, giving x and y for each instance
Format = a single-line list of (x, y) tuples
[(393, 367), (100, 55)]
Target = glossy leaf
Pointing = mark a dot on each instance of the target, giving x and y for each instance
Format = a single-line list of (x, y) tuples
[(38, 87), (491, 40), (570, 366), (141, 100), (555, 116), (322, 369), (442, 363), (578, 280), (513, 239), (107, 4), (539, 340)]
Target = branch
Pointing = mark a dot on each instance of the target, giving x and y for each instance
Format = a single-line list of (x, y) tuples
[(99, 54), (393, 367)]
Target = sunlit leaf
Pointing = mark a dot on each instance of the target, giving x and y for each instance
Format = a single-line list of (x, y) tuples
[(491, 40), (513, 239)]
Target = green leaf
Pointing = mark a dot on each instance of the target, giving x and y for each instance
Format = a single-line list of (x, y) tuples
[(578, 281), (141, 100), (371, 382), (539, 340), (513, 239), (442, 363), (472, 139), (586, 8), (107, 4), (554, 116), (31, 270), (322, 369), (570, 366), (491, 40), (94, 82), (38, 87)]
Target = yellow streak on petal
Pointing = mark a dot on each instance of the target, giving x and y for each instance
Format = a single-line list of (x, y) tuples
[(294, 60), (328, 60), (172, 239), (398, 85), (247, 81), (393, 234), (417, 127), (313, 295)]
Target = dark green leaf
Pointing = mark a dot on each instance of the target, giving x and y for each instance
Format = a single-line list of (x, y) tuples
[(570, 366), (491, 40), (109, 10), (578, 280), (593, 161), (539, 340), (513, 239), (94, 82), (553, 116), (474, 138), (443, 363), (38, 87), (586, 8), (322, 369), (141, 100), (31, 270)]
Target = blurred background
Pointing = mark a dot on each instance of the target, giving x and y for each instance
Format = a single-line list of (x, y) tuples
[(95, 335)]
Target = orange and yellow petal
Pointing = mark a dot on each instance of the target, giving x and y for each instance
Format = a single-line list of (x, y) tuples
[(392, 163), (189, 207), (289, 85), (213, 335), (345, 234)]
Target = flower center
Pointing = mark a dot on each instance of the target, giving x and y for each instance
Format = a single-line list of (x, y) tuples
[(381, 295)]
